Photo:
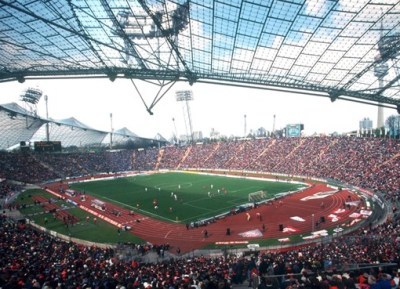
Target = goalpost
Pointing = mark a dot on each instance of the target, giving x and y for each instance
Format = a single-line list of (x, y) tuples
[(257, 196)]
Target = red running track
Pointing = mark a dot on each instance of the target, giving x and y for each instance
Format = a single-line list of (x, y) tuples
[(272, 214), (59, 212)]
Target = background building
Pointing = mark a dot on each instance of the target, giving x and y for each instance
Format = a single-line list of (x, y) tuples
[(366, 124)]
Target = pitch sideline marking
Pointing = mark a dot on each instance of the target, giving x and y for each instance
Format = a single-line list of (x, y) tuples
[(140, 210)]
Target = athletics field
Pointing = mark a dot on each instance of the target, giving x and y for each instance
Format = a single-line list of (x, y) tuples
[(182, 197)]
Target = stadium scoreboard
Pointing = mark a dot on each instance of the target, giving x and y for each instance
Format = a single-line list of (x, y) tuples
[(47, 146), (294, 130)]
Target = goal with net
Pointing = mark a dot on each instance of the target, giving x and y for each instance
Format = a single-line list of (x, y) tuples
[(257, 196)]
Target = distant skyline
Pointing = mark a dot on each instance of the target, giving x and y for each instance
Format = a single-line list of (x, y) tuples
[(218, 107)]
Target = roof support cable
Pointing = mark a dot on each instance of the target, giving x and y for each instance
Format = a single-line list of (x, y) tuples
[(130, 48), (162, 91), (190, 75)]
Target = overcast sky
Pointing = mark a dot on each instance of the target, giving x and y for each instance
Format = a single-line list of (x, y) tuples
[(214, 106)]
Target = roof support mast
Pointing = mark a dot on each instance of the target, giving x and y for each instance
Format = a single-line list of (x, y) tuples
[(179, 22)]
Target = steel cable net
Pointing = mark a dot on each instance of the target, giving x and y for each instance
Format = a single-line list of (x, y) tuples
[(329, 47), (18, 124), (16, 127)]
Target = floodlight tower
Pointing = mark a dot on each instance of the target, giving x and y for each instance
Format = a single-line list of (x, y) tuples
[(245, 125), (47, 117), (273, 125), (31, 97), (185, 96), (175, 131), (111, 132)]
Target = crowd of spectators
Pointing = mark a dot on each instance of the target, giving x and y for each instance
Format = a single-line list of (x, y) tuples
[(199, 154), (8, 189), (30, 259), (145, 160), (172, 156), (79, 164), (40, 167), (24, 167), (371, 163)]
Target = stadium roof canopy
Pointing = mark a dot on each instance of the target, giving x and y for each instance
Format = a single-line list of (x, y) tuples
[(335, 48), (19, 124)]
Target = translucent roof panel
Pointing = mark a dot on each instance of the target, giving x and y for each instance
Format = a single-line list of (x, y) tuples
[(19, 124), (16, 125), (335, 47), (75, 136)]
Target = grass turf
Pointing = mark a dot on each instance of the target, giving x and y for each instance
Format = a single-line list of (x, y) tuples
[(101, 232), (193, 201), (198, 196)]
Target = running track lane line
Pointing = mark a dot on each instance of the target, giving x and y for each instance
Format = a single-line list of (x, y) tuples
[(166, 235)]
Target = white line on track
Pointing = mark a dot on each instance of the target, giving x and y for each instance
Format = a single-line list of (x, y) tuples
[(166, 235)]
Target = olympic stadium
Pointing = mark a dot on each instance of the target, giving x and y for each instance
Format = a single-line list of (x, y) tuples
[(85, 208)]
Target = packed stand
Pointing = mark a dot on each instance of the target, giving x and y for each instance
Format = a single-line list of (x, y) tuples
[(145, 160), (199, 153), (371, 163), (171, 157), (40, 167), (24, 167), (7, 191), (305, 157), (249, 154), (31, 259), (225, 152), (277, 152)]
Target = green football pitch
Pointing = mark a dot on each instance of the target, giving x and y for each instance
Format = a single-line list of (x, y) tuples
[(198, 196)]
